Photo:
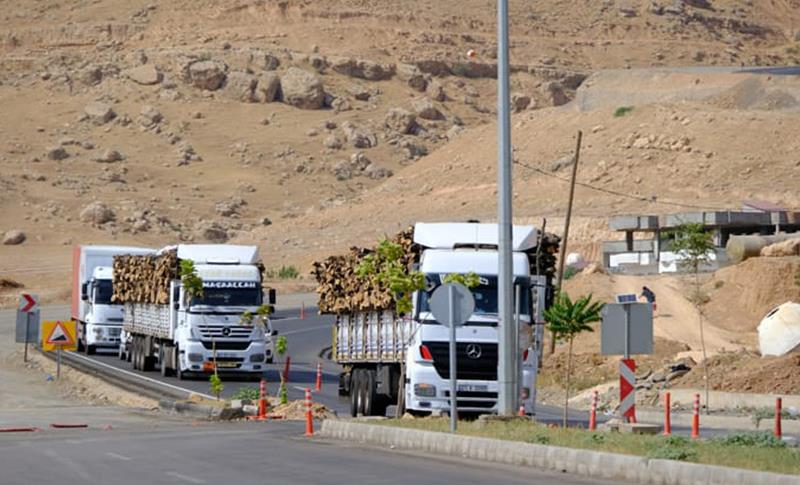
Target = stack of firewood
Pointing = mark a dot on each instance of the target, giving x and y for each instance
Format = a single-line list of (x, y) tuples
[(144, 279), (340, 287)]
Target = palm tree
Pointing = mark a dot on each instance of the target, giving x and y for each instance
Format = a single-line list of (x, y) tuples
[(566, 319)]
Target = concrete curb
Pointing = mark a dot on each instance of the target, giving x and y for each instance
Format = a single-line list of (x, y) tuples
[(200, 411), (609, 466)]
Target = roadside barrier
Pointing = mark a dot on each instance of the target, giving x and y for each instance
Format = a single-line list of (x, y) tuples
[(318, 385), (68, 426), (778, 411), (667, 417), (593, 413), (696, 417), (309, 415)]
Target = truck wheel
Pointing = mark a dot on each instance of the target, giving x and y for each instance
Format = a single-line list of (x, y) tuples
[(90, 349), (369, 393), (162, 360), (148, 361), (135, 352), (81, 335), (176, 357), (355, 391)]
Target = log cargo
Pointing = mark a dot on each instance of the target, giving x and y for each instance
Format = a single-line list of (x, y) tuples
[(144, 279), (342, 290)]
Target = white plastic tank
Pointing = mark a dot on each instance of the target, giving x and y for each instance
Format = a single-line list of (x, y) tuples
[(575, 260), (779, 331)]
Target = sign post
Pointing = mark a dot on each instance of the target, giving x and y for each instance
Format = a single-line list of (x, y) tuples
[(452, 304), (626, 329), (27, 317), (58, 336)]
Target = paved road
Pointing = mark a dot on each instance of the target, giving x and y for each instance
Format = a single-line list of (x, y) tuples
[(234, 453)]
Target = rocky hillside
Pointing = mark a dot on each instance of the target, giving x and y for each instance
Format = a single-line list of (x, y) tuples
[(305, 126)]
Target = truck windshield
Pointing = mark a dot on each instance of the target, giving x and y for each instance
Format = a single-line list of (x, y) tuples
[(102, 292), (240, 296), (485, 295)]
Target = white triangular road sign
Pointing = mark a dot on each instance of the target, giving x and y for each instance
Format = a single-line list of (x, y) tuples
[(59, 336)]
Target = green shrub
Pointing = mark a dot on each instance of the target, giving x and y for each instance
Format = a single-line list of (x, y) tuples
[(622, 111), (757, 439), (675, 448), (215, 385), (249, 393), (569, 272)]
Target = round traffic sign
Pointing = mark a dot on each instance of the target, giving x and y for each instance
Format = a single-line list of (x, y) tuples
[(452, 304)]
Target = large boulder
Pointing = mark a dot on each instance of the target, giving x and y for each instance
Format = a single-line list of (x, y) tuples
[(99, 113), (268, 88), (426, 110), (13, 237), (412, 76), (208, 75), (359, 137), (97, 213), (302, 89), (362, 69), (240, 86), (401, 121), (146, 74), (210, 231)]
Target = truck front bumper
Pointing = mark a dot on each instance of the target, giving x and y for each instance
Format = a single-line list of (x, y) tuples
[(103, 336), (427, 391), (195, 357)]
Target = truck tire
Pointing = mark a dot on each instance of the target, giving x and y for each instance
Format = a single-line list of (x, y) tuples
[(90, 349), (370, 396), (162, 361), (355, 391), (81, 328), (176, 358), (135, 352), (148, 361)]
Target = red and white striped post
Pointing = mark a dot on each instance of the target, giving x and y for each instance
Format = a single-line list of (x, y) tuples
[(309, 415), (302, 310), (318, 384), (778, 411), (667, 418), (593, 413), (262, 401), (627, 390), (696, 417)]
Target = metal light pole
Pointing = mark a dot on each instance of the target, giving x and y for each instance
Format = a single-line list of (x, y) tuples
[(507, 352)]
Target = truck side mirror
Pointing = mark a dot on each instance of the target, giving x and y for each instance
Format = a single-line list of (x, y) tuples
[(274, 333), (269, 296), (84, 293)]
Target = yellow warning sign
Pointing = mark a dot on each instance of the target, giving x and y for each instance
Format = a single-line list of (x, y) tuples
[(59, 334)]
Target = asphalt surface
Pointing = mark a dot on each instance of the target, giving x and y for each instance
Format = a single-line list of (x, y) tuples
[(234, 453)]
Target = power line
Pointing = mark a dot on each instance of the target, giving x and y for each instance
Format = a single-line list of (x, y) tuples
[(654, 199)]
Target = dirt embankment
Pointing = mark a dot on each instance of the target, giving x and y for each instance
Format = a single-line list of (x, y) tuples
[(748, 372), (741, 295)]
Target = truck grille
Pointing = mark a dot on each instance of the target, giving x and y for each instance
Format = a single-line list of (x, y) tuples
[(219, 331), (482, 368), (226, 345)]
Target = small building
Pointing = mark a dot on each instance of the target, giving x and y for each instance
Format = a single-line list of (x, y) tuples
[(652, 253)]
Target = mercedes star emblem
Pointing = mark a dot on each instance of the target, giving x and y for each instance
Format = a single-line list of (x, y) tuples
[(226, 331), (474, 351)]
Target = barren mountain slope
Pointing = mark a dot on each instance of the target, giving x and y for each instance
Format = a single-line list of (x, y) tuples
[(185, 147)]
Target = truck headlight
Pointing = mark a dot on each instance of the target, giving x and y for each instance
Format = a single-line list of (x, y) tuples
[(257, 358), (98, 331), (425, 390)]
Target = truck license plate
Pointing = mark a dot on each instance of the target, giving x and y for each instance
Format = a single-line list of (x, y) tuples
[(473, 388), (226, 365)]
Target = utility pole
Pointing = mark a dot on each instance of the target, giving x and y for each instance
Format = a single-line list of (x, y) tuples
[(508, 395), (566, 228)]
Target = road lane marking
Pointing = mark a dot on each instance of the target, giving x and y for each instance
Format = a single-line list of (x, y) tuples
[(119, 457), (185, 478)]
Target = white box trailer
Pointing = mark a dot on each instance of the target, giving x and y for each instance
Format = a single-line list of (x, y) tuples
[(97, 318)]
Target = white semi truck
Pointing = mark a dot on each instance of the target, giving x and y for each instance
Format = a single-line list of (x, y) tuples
[(98, 320), (190, 335), (383, 354)]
